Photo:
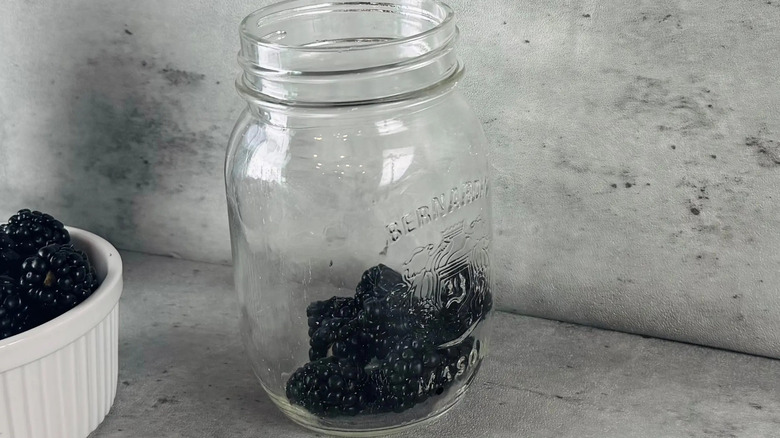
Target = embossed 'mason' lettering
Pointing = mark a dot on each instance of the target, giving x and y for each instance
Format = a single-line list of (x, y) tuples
[(441, 205)]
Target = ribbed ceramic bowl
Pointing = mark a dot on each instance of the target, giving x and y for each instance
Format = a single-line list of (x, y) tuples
[(59, 379)]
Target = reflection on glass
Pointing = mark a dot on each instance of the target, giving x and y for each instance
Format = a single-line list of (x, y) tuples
[(271, 154), (396, 162), (390, 126)]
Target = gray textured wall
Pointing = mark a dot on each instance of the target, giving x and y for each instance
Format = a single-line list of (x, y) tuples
[(636, 146)]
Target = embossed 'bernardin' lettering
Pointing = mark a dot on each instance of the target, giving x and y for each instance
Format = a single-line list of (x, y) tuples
[(437, 205), (467, 193), (395, 231), (410, 222), (454, 200), (440, 206), (423, 217)]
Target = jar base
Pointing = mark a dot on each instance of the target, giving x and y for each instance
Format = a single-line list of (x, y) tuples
[(294, 414)]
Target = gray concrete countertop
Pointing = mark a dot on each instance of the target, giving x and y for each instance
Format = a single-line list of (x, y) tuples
[(183, 373)]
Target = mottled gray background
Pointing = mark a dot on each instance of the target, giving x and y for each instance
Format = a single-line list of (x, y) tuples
[(636, 146)]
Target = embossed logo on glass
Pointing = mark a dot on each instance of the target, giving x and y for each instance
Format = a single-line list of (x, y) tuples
[(439, 207), (453, 275)]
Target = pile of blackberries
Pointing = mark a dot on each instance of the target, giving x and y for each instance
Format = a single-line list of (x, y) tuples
[(42, 275), (381, 350)]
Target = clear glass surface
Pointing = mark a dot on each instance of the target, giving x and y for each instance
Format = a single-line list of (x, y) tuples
[(329, 184)]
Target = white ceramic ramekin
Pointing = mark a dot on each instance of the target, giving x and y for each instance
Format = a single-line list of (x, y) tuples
[(59, 379)]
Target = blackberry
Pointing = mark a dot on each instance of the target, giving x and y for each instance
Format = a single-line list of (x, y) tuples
[(451, 322), (371, 334), (381, 312), (454, 322), (32, 230), (335, 307), (383, 283), (16, 315), (354, 343), (10, 260), (388, 342), (324, 336), (389, 308), (414, 371), (477, 310), (386, 326), (329, 387), (58, 278)]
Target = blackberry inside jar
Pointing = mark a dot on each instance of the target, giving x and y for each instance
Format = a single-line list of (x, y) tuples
[(384, 350), (359, 205)]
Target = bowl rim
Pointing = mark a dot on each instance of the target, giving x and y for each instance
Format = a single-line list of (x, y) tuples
[(53, 335)]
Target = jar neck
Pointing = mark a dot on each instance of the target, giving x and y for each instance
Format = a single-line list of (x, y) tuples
[(315, 53)]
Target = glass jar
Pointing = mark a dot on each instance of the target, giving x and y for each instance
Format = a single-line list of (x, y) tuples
[(359, 206)]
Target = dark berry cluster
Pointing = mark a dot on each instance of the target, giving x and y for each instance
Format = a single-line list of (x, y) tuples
[(383, 283), (330, 386), (58, 277), (415, 370), (10, 260), (41, 274), (381, 350), (15, 315), (32, 230)]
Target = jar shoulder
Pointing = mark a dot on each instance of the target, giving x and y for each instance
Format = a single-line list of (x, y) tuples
[(442, 124)]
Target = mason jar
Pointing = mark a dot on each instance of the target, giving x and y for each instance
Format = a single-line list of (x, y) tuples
[(359, 205)]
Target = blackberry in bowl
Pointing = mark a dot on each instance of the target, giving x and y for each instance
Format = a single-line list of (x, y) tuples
[(31, 230), (59, 325)]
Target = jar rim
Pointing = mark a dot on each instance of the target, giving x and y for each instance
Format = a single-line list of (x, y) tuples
[(346, 51), (411, 102), (291, 6)]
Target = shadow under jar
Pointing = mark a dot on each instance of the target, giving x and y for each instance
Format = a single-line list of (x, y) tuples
[(359, 205)]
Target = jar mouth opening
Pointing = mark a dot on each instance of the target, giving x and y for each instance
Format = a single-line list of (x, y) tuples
[(265, 27), (315, 51)]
